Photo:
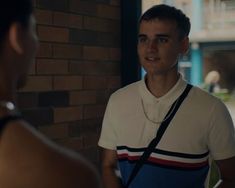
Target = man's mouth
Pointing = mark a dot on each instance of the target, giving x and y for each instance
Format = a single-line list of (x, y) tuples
[(152, 58)]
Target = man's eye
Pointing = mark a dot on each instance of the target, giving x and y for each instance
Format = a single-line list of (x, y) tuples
[(162, 40), (142, 40)]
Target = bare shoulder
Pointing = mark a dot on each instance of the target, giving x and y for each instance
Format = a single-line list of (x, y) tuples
[(78, 170), (37, 159)]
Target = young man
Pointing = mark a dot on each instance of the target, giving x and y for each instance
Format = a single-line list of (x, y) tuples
[(28, 159), (201, 127)]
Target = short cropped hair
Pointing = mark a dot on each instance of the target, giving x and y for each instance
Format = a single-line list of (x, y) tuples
[(14, 11), (165, 12)]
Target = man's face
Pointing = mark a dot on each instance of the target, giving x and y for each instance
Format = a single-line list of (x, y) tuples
[(159, 46)]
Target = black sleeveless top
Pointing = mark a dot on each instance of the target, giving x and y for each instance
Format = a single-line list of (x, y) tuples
[(6, 119)]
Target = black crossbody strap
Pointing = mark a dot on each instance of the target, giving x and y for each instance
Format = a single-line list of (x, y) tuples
[(152, 145), (6, 119)]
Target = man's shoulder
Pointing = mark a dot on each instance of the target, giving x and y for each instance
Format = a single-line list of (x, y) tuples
[(202, 97), (127, 91), (42, 157), (199, 92)]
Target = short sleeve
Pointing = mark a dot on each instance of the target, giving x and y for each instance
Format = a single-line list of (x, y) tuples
[(108, 136), (221, 141)]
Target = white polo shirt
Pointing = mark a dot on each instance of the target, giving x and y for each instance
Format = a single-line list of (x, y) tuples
[(201, 126)]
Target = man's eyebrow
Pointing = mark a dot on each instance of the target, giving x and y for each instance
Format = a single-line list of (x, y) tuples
[(141, 35), (163, 35), (157, 35)]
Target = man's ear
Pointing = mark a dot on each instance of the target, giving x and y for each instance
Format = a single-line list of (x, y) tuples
[(184, 46), (15, 38)]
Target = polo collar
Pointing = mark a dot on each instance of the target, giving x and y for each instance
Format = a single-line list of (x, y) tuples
[(166, 99)]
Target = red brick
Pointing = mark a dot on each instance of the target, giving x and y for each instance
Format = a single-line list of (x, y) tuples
[(67, 51), (84, 127), (38, 116), (45, 50), (68, 20), (115, 54), (114, 82), (91, 153), (83, 67), (83, 7), (85, 80), (98, 53), (94, 68), (38, 83), (94, 111), (75, 21), (107, 11), (60, 19), (82, 97), (27, 100), (90, 140), (43, 16), (57, 131), (32, 69), (95, 82), (67, 114), (115, 26), (52, 66), (67, 82), (96, 24), (53, 34), (61, 5), (72, 143), (103, 96), (101, 24)]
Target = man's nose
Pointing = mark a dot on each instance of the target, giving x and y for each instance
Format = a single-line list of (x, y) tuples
[(152, 45)]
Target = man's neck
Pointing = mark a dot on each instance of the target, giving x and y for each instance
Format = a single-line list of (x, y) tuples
[(159, 85)]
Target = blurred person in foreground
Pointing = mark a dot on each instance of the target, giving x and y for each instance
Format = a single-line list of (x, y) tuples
[(27, 158), (196, 124)]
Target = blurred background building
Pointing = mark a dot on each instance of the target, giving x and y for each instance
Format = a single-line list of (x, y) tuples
[(212, 39)]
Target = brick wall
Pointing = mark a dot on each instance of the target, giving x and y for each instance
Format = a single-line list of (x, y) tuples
[(76, 70)]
